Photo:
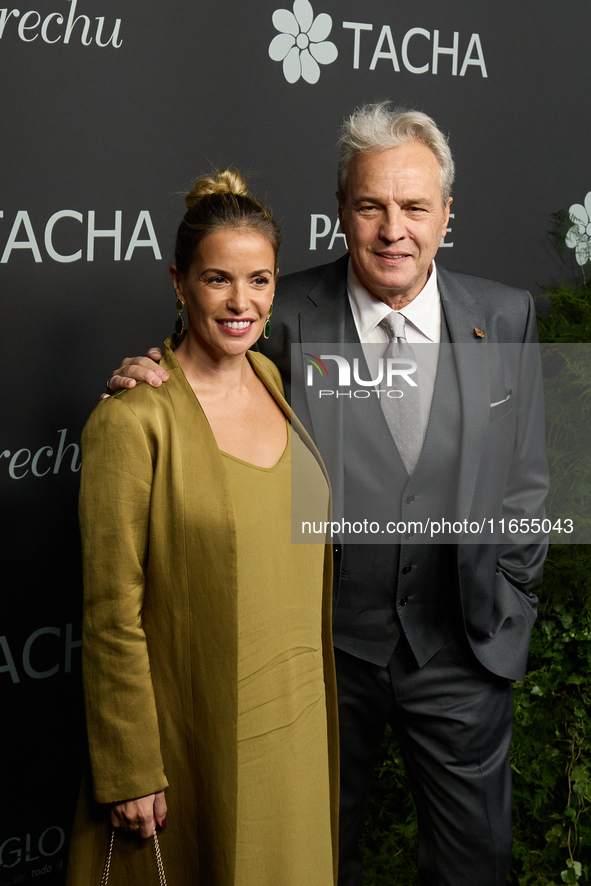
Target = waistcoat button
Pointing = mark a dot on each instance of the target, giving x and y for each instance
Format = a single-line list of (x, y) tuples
[(406, 569)]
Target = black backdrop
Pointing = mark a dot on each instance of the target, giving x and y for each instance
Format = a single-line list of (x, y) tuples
[(104, 138)]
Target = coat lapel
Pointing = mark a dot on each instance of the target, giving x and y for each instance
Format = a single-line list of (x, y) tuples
[(261, 368)]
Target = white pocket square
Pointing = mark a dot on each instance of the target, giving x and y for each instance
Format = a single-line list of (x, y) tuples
[(498, 403)]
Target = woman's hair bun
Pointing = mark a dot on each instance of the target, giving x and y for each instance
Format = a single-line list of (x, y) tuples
[(221, 201), (226, 181)]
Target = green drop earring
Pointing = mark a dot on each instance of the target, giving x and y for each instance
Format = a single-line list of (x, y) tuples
[(267, 326), (179, 325)]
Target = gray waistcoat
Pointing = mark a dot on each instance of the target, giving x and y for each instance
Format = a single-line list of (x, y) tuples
[(388, 588)]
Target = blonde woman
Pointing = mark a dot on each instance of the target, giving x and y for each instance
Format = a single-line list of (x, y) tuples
[(208, 668)]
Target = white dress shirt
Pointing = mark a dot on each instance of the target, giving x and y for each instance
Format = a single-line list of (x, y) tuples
[(423, 331)]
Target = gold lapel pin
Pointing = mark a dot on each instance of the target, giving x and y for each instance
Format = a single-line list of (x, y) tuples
[(478, 332)]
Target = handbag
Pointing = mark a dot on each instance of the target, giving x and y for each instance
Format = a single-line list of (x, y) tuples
[(159, 865)]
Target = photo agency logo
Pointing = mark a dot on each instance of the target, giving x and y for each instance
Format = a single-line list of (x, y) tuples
[(59, 27), (396, 373), (302, 46)]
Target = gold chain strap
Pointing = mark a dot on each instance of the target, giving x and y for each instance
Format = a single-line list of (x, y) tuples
[(159, 865), (107, 867)]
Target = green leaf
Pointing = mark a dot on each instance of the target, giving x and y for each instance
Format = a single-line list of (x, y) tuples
[(573, 872)]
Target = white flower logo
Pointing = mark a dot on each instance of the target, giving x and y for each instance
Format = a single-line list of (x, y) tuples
[(579, 236), (301, 44)]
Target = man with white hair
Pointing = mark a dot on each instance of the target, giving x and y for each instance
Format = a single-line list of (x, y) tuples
[(427, 637)]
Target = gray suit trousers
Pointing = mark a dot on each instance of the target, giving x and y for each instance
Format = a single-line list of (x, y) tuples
[(453, 720)]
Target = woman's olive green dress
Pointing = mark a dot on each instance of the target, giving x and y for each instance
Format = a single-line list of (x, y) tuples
[(282, 747), (207, 652)]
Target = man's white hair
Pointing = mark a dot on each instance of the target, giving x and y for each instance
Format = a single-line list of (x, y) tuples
[(377, 127)]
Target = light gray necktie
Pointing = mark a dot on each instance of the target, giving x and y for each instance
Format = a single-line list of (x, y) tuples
[(403, 414)]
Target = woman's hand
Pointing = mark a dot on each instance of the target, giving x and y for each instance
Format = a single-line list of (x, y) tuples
[(141, 815)]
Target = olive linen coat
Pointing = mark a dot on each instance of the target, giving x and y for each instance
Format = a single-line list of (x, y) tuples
[(160, 634)]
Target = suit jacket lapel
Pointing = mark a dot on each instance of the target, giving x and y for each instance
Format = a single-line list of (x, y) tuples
[(463, 318), (329, 318), (329, 321)]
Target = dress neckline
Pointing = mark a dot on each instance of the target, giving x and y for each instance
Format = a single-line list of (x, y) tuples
[(270, 470)]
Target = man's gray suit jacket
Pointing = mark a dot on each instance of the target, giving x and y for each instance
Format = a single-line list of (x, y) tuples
[(497, 582)]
